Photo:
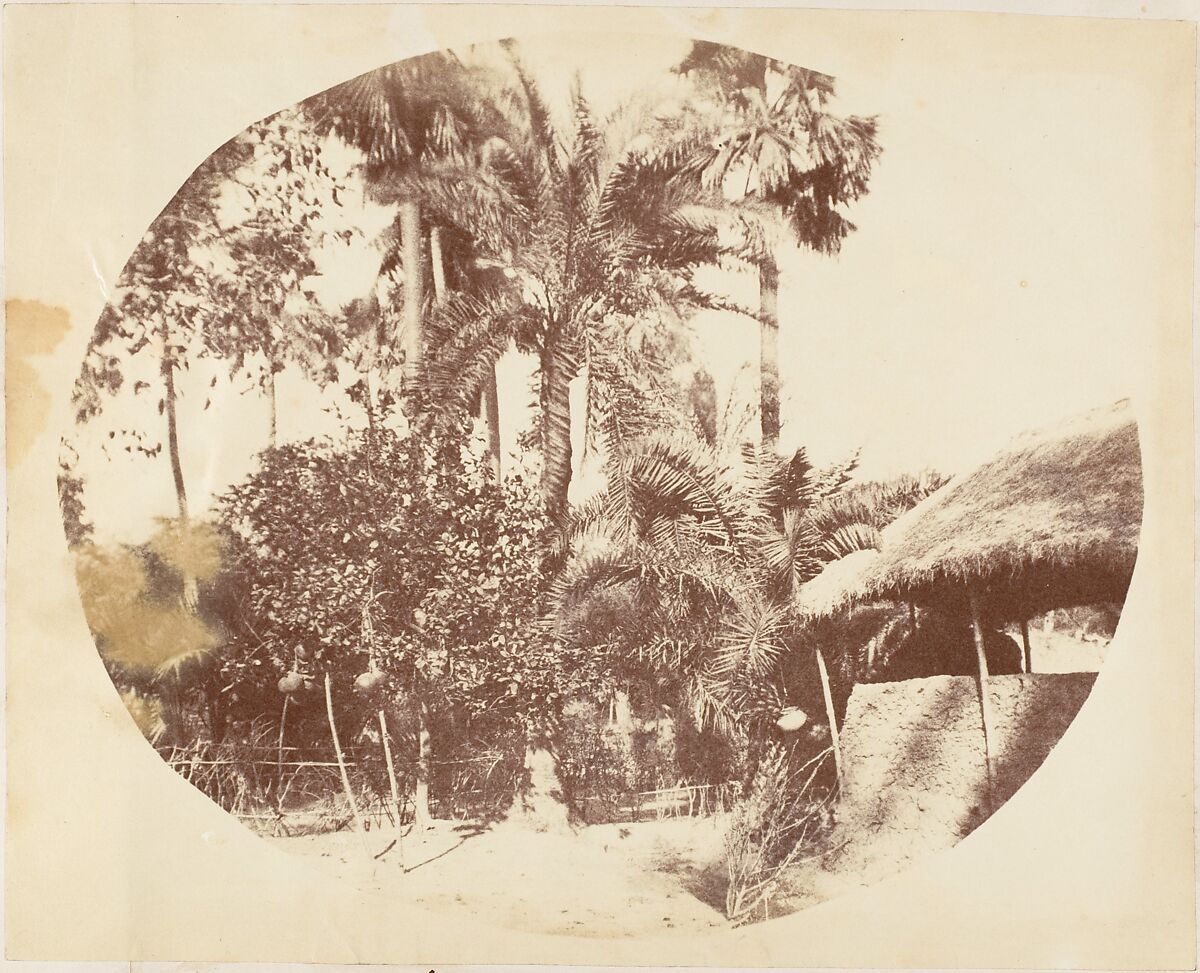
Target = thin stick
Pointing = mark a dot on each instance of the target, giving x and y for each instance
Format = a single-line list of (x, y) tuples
[(834, 739), (279, 762), (337, 746), (391, 769), (1028, 660), (982, 685)]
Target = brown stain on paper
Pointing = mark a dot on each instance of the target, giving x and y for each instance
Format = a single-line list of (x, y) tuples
[(32, 329)]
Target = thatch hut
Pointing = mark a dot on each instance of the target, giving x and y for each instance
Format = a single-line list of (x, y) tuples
[(1052, 521)]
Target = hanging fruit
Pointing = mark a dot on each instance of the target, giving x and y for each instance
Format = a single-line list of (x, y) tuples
[(292, 682), (368, 681)]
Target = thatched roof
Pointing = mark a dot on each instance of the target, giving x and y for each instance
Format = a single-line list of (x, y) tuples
[(837, 586), (1051, 521)]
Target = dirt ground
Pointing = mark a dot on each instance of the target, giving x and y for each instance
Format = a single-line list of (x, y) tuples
[(651, 878)]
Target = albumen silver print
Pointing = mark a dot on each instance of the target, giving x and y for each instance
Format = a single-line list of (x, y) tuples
[(624, 620), (619, 485)]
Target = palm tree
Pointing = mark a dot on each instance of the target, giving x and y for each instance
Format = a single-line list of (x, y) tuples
[(406, 118), (402, 117), (590, 227), (707, 561), (776, 146)]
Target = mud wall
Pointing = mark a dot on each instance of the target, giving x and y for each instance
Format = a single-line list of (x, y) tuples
[(914, 777)]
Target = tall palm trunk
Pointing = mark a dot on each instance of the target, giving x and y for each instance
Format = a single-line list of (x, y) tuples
[(489, 408), (489, 405), (622, 709), (413, 339), (191, 596), (768, 329), (556, 432), (437, 260), (538, 803)]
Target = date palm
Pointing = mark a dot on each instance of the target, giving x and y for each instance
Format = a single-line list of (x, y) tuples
[(706, 559), (590, 225), (776, 145)]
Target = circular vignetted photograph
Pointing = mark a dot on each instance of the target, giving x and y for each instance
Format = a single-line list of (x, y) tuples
[(603, 486)]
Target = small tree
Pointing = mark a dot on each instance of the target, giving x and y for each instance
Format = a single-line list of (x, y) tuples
[(152, 328), (149, 331), (777, 147), (397, 564), (287, 198)]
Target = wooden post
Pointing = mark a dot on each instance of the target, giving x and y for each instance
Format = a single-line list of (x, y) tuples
[(982, 686), (341, 760), (1028, 650), (834, 739), (279, 761), (391, 769)]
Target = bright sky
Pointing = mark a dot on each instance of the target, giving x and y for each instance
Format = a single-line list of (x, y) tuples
[(995, 282)]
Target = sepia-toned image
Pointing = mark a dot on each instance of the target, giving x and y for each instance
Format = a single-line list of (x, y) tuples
[(518, 565), (616, 485)]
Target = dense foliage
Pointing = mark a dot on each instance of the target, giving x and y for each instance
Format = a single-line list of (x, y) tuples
[(465, 609), (398, 556)]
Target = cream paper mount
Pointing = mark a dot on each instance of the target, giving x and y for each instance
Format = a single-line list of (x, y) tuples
[(1084, 127)]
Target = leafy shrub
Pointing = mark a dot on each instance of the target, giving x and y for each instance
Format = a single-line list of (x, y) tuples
[(400, 557), (780, 821)]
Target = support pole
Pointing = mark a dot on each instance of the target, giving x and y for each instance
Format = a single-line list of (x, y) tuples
[(981, 684), (834, 739), (1028, 650), (341, 761), (391, 769), (279, 760)]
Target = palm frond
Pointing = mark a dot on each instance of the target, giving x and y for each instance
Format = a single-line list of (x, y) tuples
[(467, 333), (750, 641)]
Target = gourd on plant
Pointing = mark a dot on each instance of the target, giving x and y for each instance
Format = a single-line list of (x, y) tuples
[(297, 679), (374, 677)]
